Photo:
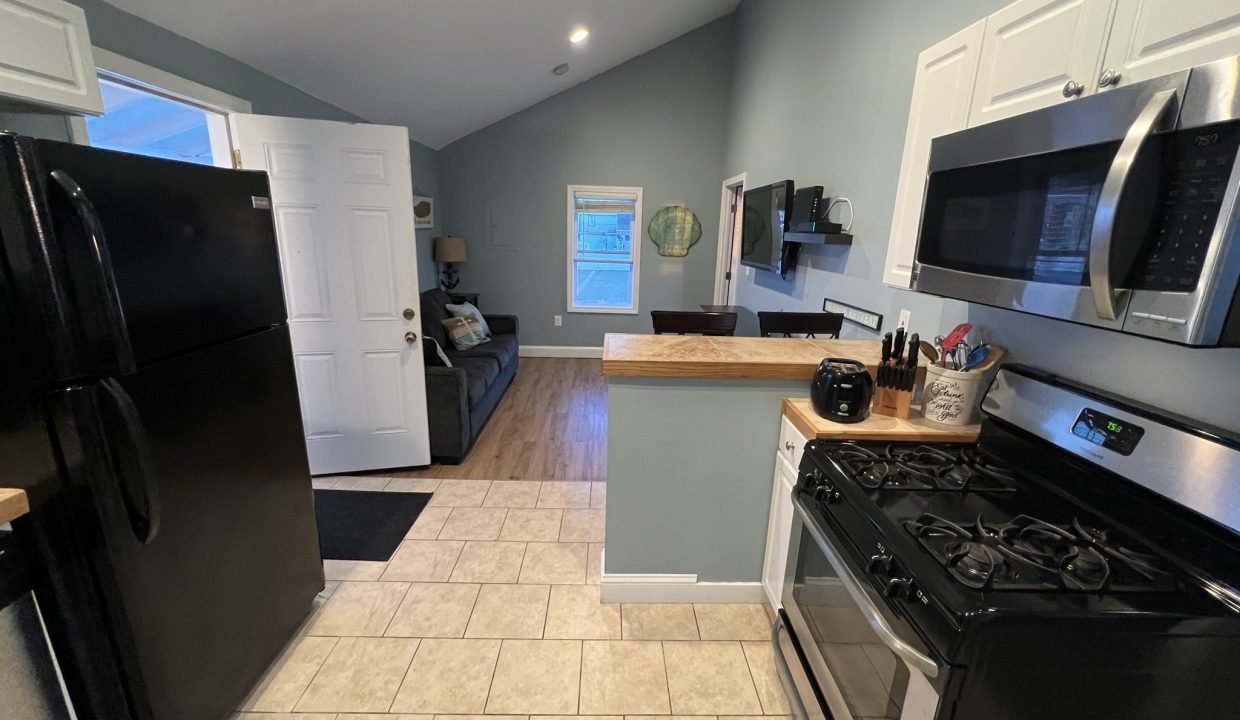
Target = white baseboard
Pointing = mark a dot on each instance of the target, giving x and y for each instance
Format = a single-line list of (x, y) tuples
[(676, 589), (561, 351)]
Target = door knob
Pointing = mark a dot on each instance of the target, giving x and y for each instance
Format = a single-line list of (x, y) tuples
[(409, 313), (1109, 77), (411, 337), (1072, 88)]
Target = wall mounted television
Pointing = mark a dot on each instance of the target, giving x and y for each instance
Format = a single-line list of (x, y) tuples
[(763, 224)]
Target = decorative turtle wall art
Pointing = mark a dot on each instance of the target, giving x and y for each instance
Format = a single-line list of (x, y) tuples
[(674, 230)]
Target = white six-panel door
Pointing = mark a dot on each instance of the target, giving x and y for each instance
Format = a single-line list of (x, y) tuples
[(342, 198)]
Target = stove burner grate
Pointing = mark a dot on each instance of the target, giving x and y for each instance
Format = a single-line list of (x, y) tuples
[(1031, 554), (922, 467)]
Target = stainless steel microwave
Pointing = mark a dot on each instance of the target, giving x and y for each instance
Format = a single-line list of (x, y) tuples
[(1118, 210)]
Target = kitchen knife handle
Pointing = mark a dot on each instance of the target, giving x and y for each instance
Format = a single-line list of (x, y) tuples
[(886, 348), (914, 346)]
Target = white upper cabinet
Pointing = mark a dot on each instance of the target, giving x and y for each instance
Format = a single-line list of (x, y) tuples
[(1037, 53), (941, 92), (45, 56), (1150, 38)]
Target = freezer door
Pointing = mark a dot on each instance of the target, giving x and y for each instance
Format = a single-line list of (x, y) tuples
[(199, 476), (191, 255)]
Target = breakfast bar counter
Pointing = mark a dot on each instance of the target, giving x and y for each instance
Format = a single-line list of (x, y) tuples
[(700, 356)]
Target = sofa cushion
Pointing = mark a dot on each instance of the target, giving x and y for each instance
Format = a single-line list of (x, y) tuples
[(502, 348), (480, 372), (434, 311)]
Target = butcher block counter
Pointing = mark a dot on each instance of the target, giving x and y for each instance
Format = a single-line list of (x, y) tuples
[(13, 504), (800, 412), (700, 356)]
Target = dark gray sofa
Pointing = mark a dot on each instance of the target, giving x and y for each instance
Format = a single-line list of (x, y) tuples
[(460, 399)]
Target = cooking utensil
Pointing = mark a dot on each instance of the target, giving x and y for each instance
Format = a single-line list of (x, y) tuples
[(897, 349), (996, 354), (976, 357), (957, 335), (932, 355), (940, 342)]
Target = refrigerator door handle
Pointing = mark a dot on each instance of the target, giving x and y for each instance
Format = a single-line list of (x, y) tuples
[(102, 261), (134, 468)]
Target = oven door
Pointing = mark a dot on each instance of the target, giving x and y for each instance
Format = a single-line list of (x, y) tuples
[(861, 655), (1102, 211)]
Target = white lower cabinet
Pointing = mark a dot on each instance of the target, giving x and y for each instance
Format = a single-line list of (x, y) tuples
[(779, 527)]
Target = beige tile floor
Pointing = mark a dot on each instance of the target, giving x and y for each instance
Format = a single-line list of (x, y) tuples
[(490, 611)]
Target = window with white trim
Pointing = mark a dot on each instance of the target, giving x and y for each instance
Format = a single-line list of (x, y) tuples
[(604, 248)]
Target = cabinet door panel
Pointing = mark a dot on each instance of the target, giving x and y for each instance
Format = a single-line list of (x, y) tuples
[(779, 529), (940, 105), (1150, 38), (1032, 50), (45, 56)]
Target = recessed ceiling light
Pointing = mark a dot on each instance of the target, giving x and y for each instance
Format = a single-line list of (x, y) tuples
[(559, 69), (579, 35)]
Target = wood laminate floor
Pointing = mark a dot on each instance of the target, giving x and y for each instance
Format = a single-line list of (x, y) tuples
[(551, 425)]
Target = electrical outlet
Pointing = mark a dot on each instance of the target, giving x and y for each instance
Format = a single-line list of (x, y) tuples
[(558, 320), (905, 317)]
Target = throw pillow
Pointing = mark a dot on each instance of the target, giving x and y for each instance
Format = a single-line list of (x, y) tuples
[(433, 354), (467, 310), (464, 332)]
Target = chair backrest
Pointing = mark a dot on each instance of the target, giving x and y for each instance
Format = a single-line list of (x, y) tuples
[(811, 324), (693, 322)]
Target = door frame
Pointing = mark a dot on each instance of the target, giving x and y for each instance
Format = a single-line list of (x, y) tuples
[(727, 255), (123, 70)]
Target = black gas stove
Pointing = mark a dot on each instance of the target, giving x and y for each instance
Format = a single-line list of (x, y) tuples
[(1002, 550), (1039, 557)]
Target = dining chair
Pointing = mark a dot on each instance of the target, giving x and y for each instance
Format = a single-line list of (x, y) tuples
[(693, 322), (809, 324)]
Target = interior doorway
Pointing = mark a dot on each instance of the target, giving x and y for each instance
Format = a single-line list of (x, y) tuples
[(728, 256)]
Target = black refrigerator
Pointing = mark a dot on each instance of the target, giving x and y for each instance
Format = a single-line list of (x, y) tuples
[(148, 405)]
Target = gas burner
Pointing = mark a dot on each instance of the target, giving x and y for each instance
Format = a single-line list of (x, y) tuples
[(922, 467), (1031, 554)]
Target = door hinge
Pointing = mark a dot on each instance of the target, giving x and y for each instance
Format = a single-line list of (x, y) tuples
[(237, 158), (727, 275)]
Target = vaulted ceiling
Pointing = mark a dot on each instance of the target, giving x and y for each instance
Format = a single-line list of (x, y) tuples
[(442, 68)]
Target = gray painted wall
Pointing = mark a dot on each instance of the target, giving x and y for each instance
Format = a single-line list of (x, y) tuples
[(658, 121), (857, 60), (135, 38), (690, 463)]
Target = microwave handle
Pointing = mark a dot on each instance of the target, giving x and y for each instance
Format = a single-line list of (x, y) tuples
[(1101, 240), (866, 604)]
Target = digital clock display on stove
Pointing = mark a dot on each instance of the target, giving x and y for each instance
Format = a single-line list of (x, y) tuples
[(1107, 431)]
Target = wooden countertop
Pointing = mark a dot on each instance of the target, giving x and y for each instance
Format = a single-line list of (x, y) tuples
[(626, 355), (13, 504), (800, 412)]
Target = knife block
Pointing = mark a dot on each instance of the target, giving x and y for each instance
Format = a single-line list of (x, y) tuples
[(892, 402)]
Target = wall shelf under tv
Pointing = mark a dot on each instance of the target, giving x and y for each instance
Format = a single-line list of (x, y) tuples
[(806, 238)]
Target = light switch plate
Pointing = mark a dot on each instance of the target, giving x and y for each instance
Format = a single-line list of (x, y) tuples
[(905, 317)]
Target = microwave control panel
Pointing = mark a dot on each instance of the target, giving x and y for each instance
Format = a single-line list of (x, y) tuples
[(1197, 165)]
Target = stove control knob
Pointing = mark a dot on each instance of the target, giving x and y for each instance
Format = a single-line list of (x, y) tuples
[(879, 565), (901, 589), (813, 478), (827, 494)]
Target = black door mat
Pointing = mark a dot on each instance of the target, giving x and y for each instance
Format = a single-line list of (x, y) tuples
[(361, 525)]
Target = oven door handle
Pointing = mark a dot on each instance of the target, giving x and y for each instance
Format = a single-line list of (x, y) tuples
[(1102, 238), (867, 604)]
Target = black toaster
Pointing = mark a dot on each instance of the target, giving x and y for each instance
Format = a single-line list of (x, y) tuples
[(841, 390)]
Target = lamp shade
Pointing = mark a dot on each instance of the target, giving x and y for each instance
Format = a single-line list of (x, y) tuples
[(449, 249)]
